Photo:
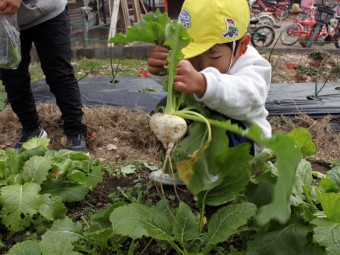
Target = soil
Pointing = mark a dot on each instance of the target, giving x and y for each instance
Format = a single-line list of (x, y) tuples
[(120, 136)]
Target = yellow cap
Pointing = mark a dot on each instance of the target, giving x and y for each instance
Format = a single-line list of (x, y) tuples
[(211, 22)]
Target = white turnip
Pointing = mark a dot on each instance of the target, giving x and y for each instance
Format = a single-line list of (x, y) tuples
[(169, 129)]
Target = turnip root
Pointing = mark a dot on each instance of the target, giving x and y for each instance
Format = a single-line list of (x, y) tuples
[(169, 129)]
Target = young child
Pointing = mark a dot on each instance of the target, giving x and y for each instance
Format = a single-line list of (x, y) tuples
[(220, 69)]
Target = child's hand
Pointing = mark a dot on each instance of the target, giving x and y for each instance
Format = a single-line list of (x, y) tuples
[(9, 6), (188, 80), (157, 60)]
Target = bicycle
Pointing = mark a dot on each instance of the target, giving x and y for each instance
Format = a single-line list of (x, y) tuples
[(280, 10), (302, 25), (261, 36), (265, 18), (323, 17)]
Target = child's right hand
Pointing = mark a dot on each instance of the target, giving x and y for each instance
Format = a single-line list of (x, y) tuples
[(157, 60)]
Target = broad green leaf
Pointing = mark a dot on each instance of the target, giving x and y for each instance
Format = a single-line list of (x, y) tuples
[(100, 226), (69, 191), (290, 240), (150, 29), (288, 157), (303, 182), (227, 220), (94, 177), (36, 142), (186, 227), (303, 140), (313, 249), (36, 169), (52, 207), (327, 234), (234, 175), (28, 247), (13, 161), (261, 163), (330, 203), (61, 166), (58, 154), (78, 156), (130, 169), (76, 176), (260, 193), (19, 204), (136, 221), (331, 182), (27, 154), (60, 238)]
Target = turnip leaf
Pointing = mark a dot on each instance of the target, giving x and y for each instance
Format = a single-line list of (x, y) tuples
[(28, 247), (19, 204)]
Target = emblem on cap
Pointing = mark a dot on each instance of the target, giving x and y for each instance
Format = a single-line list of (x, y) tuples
[(232, 30), (184, 18)]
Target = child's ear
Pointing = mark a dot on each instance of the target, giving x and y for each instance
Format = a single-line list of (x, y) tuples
[(243, 44)]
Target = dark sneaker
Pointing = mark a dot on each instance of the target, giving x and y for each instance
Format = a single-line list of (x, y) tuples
[(29, 134), (77, 143)]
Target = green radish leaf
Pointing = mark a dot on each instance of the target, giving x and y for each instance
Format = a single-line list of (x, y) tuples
[(227, 220), (136, 221), (69, 191), (36, 169), (19, 204), (61, 167), (327, 234), (303, 182), (331, 182), (28, 247), (52, 207), (59, 239), (234, 175), (100, 226), (186, 227), (288, 157), (150, 29), (76, 176), (36, 142), (303, 140), (330, 203), (290, 240), (94, 177)]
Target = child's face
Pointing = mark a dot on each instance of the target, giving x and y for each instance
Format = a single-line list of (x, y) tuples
[(219, 56)]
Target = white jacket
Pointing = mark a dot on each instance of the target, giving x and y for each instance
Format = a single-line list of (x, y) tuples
[(241, 94)]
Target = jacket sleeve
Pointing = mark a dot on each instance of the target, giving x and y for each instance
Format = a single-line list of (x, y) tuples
[(242, 93)]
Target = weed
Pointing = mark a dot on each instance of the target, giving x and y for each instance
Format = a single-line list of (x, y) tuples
[(306, 70), (319, 55)]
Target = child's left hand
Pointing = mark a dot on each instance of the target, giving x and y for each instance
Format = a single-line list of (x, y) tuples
[(188, 80)]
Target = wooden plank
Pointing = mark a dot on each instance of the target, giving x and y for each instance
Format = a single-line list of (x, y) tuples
[(125, 12), (114, 10), (136, 10), (142, 5)]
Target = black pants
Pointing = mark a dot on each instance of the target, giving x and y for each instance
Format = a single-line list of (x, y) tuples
[(53, 44)]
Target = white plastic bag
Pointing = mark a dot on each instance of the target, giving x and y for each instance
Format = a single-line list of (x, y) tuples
[(10, 52)]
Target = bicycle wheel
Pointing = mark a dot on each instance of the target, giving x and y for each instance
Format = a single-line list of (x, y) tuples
[(281, 12), (315, 34), (262, 36), (290, 35), (266, 20)]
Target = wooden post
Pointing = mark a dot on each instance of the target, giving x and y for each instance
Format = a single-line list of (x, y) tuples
[(125, 12), (114, 10), (136, 10)]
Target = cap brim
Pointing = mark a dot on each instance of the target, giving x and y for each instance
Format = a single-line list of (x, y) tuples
[(195, 49)]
